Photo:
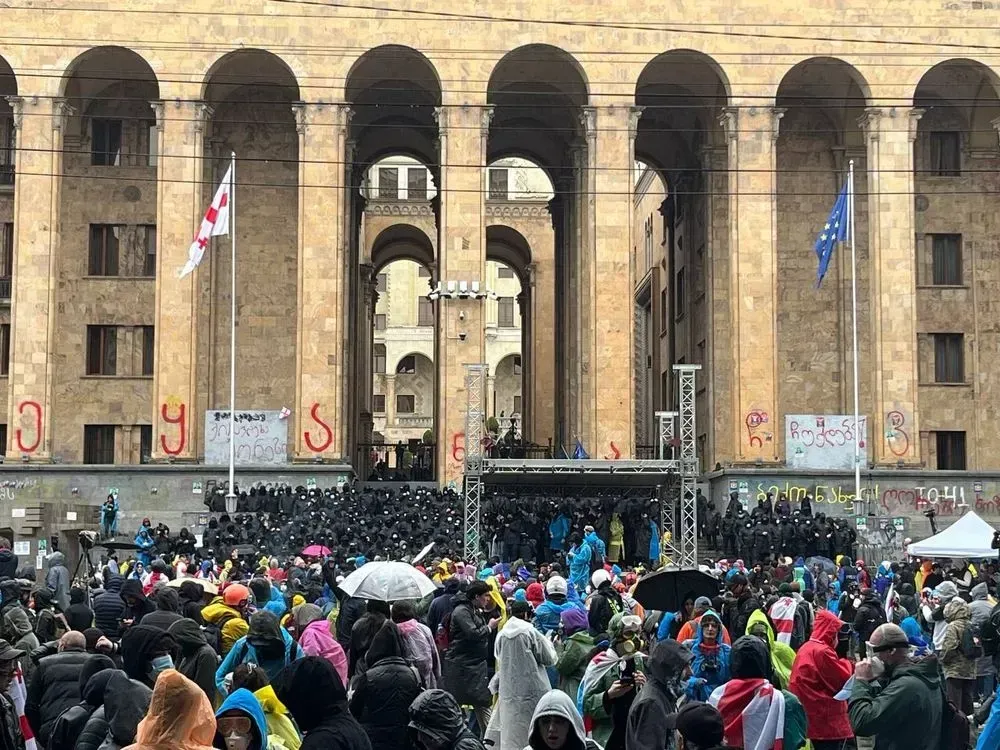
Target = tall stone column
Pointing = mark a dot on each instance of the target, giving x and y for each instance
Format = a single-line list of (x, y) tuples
[(461, 338), (321, 361), (751, 132), (179, 209), (889, 136), (608, 406), (581, 258), (39, 122)]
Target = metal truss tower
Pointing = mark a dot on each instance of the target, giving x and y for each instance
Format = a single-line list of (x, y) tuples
[(475, 425), (665, 421), (687, 541)]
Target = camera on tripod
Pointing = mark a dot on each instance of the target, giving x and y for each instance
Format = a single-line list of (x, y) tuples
[(87, 539)]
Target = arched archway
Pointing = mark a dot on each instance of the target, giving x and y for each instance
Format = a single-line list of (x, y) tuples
[(822, 102), (251, 93), (680, 208)]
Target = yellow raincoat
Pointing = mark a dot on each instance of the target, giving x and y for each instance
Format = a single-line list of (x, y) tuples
[(279, 722), (782, 656)]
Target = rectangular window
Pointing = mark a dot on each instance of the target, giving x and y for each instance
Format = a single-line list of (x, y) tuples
[(664, 312), (3, 436), (379, 359), (380, 322), (106, 143), (146, 146), (947, 257), (388, 183), (498, 184), (99, 444), (950, 450), (946, 153), (505, 312), (102, 350), (680, 302), (381, 283), (425, 312), (504, 272), (7, 150), (104, 249), (949, 358), (416, 183), (378, 403), (5, 349), (517, 404), (6, 250), (148, 349), (149, 257), (404, 404), (145, 443)]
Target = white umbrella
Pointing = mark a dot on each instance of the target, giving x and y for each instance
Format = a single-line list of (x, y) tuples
[(387, 582)]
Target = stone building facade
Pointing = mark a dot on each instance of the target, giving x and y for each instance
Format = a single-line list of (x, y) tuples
[(746, 133)]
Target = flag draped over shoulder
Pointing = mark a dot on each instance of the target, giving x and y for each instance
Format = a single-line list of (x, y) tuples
[(753, 714), (835, 230), (215, 223)]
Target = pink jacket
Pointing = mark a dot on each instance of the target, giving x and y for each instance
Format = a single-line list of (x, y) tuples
[(422, 651), (317, 640)]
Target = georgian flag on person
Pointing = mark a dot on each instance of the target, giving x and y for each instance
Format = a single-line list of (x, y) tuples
[(753, 713), (215, 223)]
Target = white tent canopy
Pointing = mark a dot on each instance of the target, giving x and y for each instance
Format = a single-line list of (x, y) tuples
[(970, 537)]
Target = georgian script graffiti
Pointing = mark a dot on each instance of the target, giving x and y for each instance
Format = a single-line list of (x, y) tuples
[(328, 438), (179, 419), (34, 408), (756, 432), (896, 436)]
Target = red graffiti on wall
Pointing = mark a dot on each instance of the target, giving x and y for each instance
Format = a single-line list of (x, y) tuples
[(37, 407), (615, 453), (895, 434), (458, 447), (314, 413), (180, 420), (755, 419)]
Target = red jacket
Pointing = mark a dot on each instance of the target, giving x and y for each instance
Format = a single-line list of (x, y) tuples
[(818, 674)]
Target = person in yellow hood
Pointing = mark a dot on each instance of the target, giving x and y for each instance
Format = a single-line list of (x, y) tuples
[(442, 572), (782, 656), (497, 598), (287, 617), (226, 612), (279, 722)]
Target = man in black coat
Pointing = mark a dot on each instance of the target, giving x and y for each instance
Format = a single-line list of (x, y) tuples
[(8, 560), (647, 727), (870, 615), (55, 686), (465, 661), (109, 608)]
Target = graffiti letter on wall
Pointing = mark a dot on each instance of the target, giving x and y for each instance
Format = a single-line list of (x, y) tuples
[(615, 453), (18, 435), (458, 447), (754, 421), (314, 413), (180, 420), (895, 433)]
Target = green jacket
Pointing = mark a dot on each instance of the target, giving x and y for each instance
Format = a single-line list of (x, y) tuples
[(796, 727), (573, 653), (905, 712), (593, 702)]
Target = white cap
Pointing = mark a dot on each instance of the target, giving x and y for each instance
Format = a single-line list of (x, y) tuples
[(598, 577), (556, 585)]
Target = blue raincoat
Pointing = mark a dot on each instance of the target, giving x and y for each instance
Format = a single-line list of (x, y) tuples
[(597, 545), (548, 616), (710, 667), (558, 530), (244, 701), (654, 541), (144, 541), (579, 566), (915, 635), (803, 576), (243, 652), (883, 579)]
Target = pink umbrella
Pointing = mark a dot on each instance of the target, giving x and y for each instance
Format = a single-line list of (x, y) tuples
[(316, 550)]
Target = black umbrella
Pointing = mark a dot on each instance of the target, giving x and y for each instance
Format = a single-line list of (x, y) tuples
[(665, 589)]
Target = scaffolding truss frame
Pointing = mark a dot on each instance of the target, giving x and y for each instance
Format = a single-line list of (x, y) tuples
[(686, 538), (475, 427)]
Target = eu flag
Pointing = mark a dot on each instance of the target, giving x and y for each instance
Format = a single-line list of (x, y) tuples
[(834, 231), (580, 453)]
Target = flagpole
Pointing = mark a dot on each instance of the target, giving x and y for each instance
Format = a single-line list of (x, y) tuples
[(232, 327), (858, 436)]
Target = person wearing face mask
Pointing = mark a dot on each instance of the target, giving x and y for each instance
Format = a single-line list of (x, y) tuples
[(896, 699), (268, 645), (710, 667), (240, 725), (612, 681), (146, 652), (557, 725), (669, 664)]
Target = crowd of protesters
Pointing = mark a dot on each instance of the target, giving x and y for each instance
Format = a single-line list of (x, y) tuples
[(239, 640)]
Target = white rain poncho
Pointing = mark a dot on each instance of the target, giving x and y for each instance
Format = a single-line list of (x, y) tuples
[(522, 655)]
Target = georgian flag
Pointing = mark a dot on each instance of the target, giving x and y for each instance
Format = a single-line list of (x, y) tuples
[(18, 694), (783, 616), (753, 714), (215, 223)]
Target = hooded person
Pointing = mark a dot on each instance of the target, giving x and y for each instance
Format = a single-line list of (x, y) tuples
[(57, 579), (933, 612), (442, 605), (225, 615), (437, 723), (979, 611), (315, 637), (240, 724), (78, 615), (109, 608), (522, 655), (573, 650), (168, 604), (146, 652), (18, 631), (95, 730), (179, 717), (137, 605), (8, 560), (191, 596), (382, 694), (267, 644), (869, 616), (611, 682), (49, 624), (605, 602), (420, 647), (279, 722), (67, 728), (959, 670), (557, 725), (690, 628), (668, 664), (10, 595), (196, 659), (316, 698), (710, 665), (818, 674), (755, 713), (268, 597), (125, 703), (782, 656)]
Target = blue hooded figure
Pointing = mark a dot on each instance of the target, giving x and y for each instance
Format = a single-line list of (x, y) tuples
[(710, 667), (558, 531), (915, 635), (597, 545), (242, 704), (144, 541), (883, 579), (579, 565), (802, 575), (654, 541)]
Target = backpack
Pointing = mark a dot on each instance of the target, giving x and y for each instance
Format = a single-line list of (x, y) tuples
[(971, 645), (213, 632), (989, 634)]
